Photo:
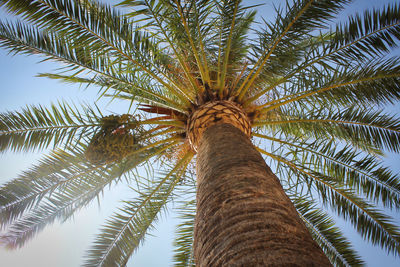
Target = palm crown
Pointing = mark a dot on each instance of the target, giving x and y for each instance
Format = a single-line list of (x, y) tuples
[(309, 94)]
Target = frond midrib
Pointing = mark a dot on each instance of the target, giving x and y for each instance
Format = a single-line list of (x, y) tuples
[(49, 189), (322, 237), (28, 129), (143, 203), (284, 79), (337, 190), (332, 159), (301, 95)]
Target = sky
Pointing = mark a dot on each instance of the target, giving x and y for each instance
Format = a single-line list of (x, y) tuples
[(64, 244)]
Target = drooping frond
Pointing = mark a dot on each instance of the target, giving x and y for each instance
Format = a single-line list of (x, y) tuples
[(40, 128), (95, 26), (374, 33), (63, 168), (24, 193), (376, 82), (365, 174), (337, 248), (372, 224), (126, 230), (352, 125), (62, 184), (183, 243)]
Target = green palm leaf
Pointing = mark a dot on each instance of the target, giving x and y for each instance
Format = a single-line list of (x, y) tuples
[(373, 225), (372, 34), (61, 185), (183, 243), (365, 175), (329, 237), (368, 130), (40, 128), (377, 30), (81, 59), (125, 230)]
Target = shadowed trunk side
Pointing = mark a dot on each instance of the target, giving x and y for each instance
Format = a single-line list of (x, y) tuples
[(243, 216)]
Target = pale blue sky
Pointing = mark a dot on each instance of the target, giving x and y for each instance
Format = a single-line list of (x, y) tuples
[(64, 245)]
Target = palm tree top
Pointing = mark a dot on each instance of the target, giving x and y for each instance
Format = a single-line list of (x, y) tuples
[(309, 92)]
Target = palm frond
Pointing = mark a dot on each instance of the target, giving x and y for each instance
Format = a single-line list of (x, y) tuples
[(26, 191), (234, 22), (198, 14), (372, 225), (138, 89), (376, 82), (194, 47), (360, 39), (58, 171), (164, 19), (93, 25), (40, 128), (63, 203), (300, 19), (351, 125), (364, 174), (126, 229), (183, 243), (44, 203), (78, 59), (374, 33), (337, 248), (101, 30)]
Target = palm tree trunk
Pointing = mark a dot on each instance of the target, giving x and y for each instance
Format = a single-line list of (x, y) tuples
[(243, 217)]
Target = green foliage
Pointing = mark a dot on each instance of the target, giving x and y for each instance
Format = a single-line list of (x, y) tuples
[(184, 231), (322, 227), (40, 128), (56, 188), (126, 229), (315, 89)]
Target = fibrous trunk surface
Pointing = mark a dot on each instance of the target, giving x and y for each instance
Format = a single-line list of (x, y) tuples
[(243, 216)]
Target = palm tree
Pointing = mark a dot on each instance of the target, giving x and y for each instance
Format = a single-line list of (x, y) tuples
[(208, 86)]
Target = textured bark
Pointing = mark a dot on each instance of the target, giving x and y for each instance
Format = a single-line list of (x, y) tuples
[(244, 218)]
